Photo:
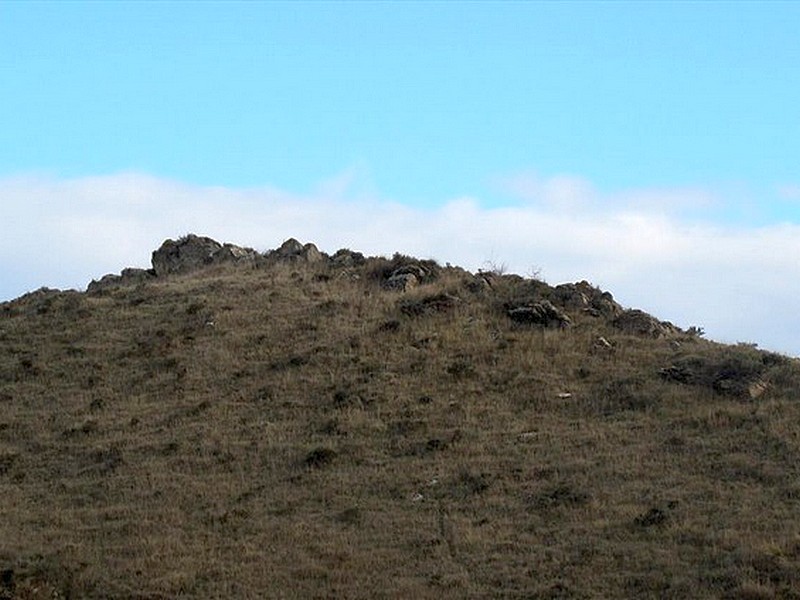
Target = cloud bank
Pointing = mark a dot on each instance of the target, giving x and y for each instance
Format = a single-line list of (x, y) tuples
[(645, 246)]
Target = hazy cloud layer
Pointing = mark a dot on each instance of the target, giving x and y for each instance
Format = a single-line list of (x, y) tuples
[(738, 283)]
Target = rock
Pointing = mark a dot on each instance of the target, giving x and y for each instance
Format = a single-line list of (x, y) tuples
[(128, 276), (185, 254), (603, 344), (348, 258), (311, 253), (193, 252), (757, 388), (289, 248), (584, 296), (231, 253), (292, 250), (570, 296), (637, 322), (399, 267), (428, 305), (541, 313), (401, 282)]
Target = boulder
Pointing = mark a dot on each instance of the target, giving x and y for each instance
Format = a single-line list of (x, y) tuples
[(542, 313), (311, 253), (292, 250), (584, 296), (194, 252), (348, 258), (401, 282), (185, 254), (638, 322)]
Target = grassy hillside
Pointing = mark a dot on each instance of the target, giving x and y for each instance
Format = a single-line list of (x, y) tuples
[(289, 428)]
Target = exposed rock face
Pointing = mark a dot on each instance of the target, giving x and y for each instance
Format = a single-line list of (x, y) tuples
[(193, 252), (186, 254), (541, 313), (638, 322)]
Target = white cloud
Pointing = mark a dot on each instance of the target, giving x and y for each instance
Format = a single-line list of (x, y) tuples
[(737, 283)]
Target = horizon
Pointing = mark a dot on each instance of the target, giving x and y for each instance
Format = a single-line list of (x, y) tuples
[(646, 148)]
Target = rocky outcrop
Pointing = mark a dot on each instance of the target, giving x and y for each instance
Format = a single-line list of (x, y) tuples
[(129, 276), (347, 258), (401, 282), (193, 252), (585, 297), (542, 313), (402, 273), (638, 322), (292, 250)]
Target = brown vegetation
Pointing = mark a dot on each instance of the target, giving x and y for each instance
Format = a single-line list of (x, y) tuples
[(288, 428)]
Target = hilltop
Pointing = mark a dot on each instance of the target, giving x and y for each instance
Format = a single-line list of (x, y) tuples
[(238, 424)]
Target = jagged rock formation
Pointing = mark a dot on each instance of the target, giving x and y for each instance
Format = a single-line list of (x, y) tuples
[(292, 250), (192, 252), (526, 301)]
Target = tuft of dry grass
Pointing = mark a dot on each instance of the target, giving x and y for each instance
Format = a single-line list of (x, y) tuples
[(287, 430)]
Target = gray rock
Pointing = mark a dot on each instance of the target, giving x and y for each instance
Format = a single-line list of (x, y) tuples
[(128, 277), (401, 282), (194, 252), (186, 254), (311, 254), (638, 322), (540, 313), (292, 250), (348, 258)]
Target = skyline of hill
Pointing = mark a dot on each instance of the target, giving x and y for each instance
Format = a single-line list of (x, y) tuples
[(290, 424)]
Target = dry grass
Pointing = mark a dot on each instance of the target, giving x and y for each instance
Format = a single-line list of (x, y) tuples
[(297, 431)]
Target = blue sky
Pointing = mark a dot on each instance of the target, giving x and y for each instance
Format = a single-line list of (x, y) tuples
[(660, 138)]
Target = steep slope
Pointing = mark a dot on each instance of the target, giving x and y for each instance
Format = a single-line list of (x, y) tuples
[(289, 424)]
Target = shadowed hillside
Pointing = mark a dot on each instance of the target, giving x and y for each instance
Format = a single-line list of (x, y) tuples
[(232, 424)]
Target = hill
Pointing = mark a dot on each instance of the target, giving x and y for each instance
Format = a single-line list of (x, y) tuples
[(232, 424)]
